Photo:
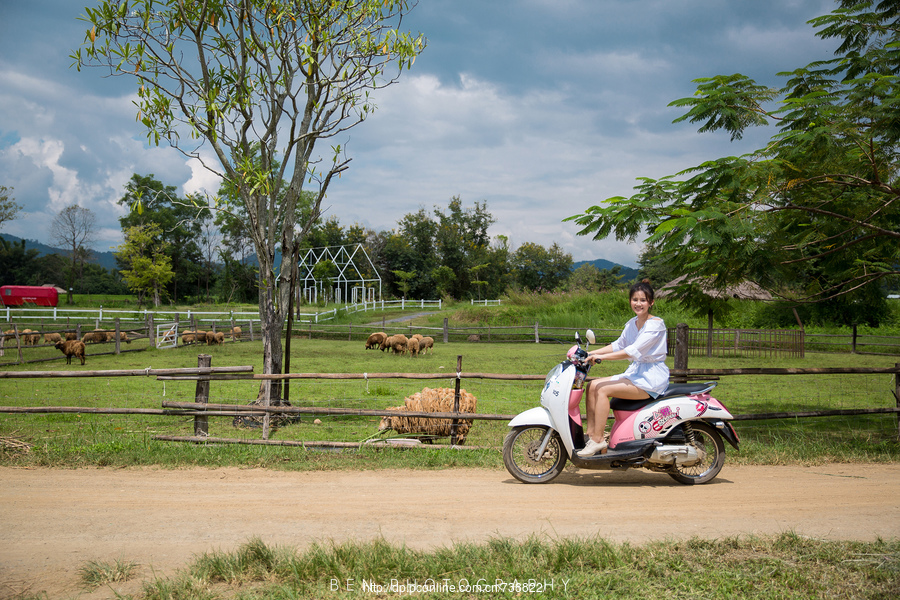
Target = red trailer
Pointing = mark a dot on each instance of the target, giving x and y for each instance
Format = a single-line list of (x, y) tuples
[(17, 295)]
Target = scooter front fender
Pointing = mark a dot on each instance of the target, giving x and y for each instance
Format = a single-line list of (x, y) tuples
[(533, 416)]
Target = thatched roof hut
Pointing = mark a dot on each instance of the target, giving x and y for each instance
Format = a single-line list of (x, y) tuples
[(746, 290)]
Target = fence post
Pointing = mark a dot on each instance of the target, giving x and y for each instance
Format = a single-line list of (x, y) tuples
[(118, 338), (681, 350), (537, 336), (853, 341), (897, 396), (446, 331), (455, 423), (151, 330), (201, 396)]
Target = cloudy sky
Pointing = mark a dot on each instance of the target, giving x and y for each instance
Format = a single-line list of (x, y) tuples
[(540, 108)]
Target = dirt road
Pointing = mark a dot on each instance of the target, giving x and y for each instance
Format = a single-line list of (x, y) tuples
[(53, 521)]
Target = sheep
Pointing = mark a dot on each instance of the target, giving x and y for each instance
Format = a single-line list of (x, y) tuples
[(188, 337), (416, 336), (397, 343), (220, 338), (375, 339), (52, 338), (71, 348), (432, 400), (425, 343), (235, 333), (96, 336), (28, 339), (71, 335), (412, 346), (199, 336), (122, 337)]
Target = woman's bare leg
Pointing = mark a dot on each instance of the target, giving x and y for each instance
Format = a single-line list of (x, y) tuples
[(597, 404)]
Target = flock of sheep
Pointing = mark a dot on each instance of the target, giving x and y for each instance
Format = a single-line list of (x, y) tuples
[(210, 337), (67, 343), (399, 343)]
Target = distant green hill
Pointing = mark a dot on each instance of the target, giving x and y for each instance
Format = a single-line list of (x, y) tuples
[(105, 259), (628, 274)]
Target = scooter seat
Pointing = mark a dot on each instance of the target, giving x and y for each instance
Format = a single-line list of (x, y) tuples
[(674, 389)]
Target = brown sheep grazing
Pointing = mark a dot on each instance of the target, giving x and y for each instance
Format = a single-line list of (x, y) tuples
[(30, 338), (71, 335), (375, 340), (235, 333), (52, 338), (425, 343), (71, 348), (432, 400), (96, 336), (220, 337), (199, 336), (412, 346), (397, 343), (189, 337), (122, 337)]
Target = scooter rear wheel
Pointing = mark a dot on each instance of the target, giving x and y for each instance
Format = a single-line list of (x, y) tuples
[(520, 450), (709, 441)]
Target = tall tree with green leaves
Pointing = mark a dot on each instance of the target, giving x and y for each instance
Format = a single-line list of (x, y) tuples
[(180, 222), (73, 228), (815, 214), (148, 267), (264, 84), (8, 206)]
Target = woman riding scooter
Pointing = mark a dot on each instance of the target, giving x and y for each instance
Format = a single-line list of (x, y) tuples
[(643, 342)]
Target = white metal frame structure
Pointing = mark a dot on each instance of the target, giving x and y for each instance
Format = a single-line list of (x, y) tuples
[(348, 284)]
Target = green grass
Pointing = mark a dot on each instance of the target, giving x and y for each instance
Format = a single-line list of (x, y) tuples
[(97, 573), (780, 567), (75, 440)]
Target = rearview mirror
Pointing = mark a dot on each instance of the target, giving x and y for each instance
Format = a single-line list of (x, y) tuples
[(590, 336)]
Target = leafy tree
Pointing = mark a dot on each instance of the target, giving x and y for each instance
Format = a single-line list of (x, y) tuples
[(815, 214), (461, 241), (404, 279), (73, 228), (589, 278), (8, 207), (537, 267), (443, 279), (262, 82), (149, 268), (180, 222)]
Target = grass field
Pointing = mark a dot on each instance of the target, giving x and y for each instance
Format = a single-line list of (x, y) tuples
[(88, 439), (783, 567)]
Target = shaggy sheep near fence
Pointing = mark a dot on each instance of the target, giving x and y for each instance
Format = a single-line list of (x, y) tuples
[(432, 400), (412, 346), (220, 338), (425, 343), (52, 338), (71, 348), (71, 335), (30, 338), (235, 333), (122, 337), (375, 340)]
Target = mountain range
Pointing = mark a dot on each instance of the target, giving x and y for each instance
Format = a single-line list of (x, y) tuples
[(107, 259)]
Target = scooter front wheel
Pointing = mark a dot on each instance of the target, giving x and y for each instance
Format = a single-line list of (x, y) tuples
[(520, 454)]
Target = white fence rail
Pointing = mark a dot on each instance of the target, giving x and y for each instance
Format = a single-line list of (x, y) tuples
[(33, 313)]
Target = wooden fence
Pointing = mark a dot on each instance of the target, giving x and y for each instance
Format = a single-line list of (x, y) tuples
[(204, 374)]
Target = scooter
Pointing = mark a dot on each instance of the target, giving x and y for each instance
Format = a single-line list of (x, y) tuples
[(679, 433)]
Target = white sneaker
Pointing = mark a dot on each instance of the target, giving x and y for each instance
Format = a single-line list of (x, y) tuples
[(592, 448)]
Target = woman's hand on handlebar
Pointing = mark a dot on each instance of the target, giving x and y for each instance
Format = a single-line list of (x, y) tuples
[(594, 359)]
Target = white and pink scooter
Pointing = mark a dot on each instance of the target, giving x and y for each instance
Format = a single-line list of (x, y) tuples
[(680, 433)]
